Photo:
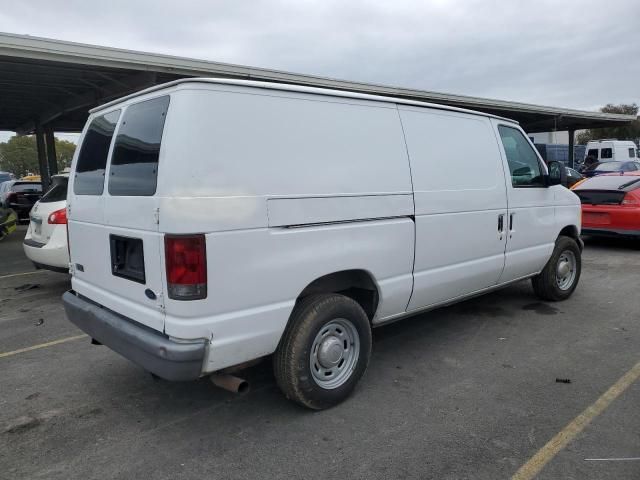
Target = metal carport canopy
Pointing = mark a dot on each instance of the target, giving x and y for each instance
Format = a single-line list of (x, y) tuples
[(53, 84)]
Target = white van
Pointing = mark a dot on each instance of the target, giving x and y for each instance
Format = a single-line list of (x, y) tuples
[(610, 150), (215, 222)]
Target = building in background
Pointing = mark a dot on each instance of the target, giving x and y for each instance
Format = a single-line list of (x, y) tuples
[(550, 138)]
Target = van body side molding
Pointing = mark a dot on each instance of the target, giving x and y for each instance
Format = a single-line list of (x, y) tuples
[(286, 212)]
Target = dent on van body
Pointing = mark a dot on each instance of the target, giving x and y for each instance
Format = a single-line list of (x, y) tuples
[(255, 276)]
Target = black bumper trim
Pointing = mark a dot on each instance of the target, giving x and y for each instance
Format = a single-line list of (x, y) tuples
[(32, 243), (42, 266), (151, 350), (605, 232)]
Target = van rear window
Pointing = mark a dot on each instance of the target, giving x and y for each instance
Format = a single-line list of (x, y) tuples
[(134, 164), (92, 160)]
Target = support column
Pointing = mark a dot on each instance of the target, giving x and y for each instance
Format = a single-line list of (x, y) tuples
[(572, 141), (51, 150), (42, 158)]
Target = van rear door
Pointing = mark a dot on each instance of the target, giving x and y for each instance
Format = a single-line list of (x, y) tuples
[(116, 249)]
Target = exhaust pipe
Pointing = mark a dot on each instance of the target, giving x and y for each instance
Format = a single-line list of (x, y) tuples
[(230, 383)]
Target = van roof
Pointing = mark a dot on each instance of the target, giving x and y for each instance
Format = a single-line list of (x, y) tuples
[(295, 88)]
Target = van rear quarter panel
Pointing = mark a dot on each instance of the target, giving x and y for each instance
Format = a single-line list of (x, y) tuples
[(243, 166), (254, 277)]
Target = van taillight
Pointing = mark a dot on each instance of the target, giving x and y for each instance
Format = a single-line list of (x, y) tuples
[(59, 217), (186, 263)]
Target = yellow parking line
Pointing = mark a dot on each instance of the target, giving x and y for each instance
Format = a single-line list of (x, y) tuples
[(530, 469), (42, 345)]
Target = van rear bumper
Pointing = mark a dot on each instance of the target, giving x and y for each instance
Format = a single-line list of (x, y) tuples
[(151, 350)]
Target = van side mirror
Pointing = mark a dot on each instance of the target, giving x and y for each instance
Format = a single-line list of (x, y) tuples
[(557, 174)]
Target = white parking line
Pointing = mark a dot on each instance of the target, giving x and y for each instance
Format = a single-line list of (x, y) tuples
[(612, 459), (23, 273)]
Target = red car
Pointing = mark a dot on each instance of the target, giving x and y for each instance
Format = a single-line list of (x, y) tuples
[(610, 204)]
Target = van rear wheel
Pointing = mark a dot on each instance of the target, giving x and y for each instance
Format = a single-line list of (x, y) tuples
[(560, 276), (324, 351)]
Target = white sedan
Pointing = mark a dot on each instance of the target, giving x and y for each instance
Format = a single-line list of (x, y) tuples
[(45, 243)]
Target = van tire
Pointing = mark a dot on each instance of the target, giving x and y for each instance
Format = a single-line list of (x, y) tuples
[(546, 284), (293, 357)]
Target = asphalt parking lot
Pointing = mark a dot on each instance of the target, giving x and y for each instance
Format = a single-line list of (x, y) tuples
[(467, 391)]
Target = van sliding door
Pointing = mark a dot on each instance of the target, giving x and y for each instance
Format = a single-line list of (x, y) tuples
[(460, 204)]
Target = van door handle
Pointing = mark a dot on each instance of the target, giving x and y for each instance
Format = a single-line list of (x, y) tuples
[(511, 222), (501, 225)]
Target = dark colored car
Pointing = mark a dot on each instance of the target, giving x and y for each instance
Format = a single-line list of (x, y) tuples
[(573, 177), (6, 176), (601, 168), (20, 196)]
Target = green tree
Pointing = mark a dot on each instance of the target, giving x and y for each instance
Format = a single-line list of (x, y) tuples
[(19, 154), (630, 131), (64, 153)]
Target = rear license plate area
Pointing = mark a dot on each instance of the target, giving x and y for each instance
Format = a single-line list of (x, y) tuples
[(127, 258), (37, 225), (596, 218)]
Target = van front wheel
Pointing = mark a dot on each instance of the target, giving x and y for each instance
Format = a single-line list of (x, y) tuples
[(324, 351), (560, 276)]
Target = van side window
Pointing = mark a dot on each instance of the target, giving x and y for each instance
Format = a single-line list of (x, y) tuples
[(632, 153), (523, 161), (606, 153), (92, 160), (134, 163), (593, 152)]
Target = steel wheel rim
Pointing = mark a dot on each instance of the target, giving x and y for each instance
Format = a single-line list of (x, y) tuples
[(334, 353), (566, 270)]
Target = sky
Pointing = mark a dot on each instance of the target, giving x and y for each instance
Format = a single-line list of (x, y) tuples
[(576, 53)]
